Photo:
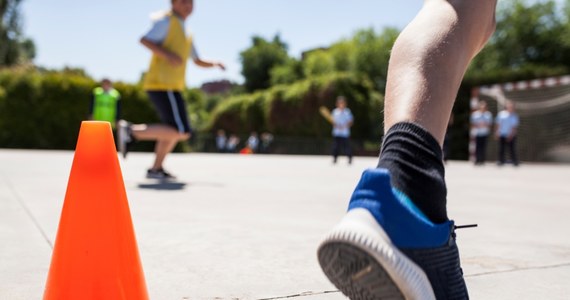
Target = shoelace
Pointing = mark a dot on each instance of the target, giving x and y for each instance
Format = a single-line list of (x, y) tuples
[(465, 226)]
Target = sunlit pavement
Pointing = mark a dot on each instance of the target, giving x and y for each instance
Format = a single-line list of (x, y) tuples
[(247, 227)]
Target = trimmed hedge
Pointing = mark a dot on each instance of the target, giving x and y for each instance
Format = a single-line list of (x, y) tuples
[(293, 110), (44, 109)]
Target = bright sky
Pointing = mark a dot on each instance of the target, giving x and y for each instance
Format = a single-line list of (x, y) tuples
[(102, 36)]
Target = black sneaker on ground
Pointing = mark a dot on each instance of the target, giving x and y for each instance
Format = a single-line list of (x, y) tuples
[(125, 137), (159, 174)]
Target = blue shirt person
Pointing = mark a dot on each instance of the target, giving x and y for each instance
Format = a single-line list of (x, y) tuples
[(342, 121), (507, 123)]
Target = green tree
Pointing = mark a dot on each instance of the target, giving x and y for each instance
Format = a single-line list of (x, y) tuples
[(287, 73), (14, 48), (529, 36), (259, 59), (319, 62), (344, 53), (566, 38), (373, 53)]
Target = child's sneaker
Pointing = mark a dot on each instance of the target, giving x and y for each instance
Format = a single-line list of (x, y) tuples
[(160, 174), (385, 248)]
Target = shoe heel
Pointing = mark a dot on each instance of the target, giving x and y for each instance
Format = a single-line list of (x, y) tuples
[(360, 260)]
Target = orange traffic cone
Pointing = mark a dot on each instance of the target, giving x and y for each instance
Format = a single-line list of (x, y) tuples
[(95, 254)]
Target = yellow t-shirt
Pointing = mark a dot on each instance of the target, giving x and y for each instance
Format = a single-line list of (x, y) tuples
[(162, 76)]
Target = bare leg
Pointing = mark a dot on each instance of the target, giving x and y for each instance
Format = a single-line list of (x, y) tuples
[(430, 58), (155, 132), (396, 240), (165, 136), (161, 149)]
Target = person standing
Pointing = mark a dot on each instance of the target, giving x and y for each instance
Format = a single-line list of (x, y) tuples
[(507, 123), (342, 121), (396, 241), (105, 104), (481, 121), (233, 143), (265, 143), (221, 141), (253, 142), (171, 46)]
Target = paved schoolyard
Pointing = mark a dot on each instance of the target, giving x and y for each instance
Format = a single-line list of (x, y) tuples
[(247, 227)]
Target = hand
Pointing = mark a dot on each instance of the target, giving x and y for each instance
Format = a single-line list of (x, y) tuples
[(220, 65), (174, 59)]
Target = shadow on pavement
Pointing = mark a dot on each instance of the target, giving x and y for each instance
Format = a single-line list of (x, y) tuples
[(163, 186), (207, 184)]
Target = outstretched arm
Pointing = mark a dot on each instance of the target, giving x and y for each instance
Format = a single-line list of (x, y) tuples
[(204, 63), (208, 64)]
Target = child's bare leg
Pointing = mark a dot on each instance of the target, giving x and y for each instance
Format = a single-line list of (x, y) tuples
[(430, 58), (396, 241)]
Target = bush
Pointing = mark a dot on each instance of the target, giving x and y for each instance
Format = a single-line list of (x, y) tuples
[(287, 73), (293, 110), (44, 109), (318, 63), (240, 114)]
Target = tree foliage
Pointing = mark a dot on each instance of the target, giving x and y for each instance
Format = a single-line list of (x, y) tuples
[(259, 59), (318, 63), (287, 73), (14, 48), (274, 109), (373, 53), (343, 54), (529, 36), (532, 40)]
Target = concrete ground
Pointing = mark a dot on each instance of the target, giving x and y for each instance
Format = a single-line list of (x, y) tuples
[(247, 227)]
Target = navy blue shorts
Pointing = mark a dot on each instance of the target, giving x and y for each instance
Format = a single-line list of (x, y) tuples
[(171, 109)]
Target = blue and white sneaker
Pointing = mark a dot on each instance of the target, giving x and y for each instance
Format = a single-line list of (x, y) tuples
[(386, 248)]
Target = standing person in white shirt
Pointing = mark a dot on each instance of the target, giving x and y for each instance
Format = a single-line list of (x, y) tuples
[(253, 142), (342, 121), (481, 121), (221, 141), (507, 123)]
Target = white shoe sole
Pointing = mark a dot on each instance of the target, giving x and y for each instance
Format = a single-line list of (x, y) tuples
[(123, 134), (160, 177), (360, 260)]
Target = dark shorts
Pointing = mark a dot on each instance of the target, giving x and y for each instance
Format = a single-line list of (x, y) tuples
[(171, 109)]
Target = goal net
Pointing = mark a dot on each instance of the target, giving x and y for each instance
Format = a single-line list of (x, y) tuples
[(543, 106)]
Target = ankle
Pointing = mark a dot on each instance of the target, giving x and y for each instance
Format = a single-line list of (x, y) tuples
[(414, 159)]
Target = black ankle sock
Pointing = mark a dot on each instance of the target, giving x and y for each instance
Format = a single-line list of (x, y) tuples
[(414, 159)]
